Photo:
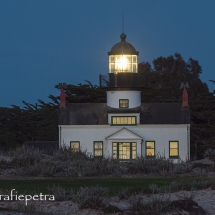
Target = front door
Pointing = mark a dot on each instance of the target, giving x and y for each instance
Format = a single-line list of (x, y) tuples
[(124, 150)]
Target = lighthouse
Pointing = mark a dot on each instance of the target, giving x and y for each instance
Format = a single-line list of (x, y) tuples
[(124, 128), (121, 84)]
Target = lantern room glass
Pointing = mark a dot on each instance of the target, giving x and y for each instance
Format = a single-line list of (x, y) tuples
[(123, 63)]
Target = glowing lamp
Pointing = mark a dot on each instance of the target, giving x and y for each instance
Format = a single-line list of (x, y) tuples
[(123, 57)]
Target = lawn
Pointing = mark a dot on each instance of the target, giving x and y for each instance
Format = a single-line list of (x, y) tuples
[(35, 186)]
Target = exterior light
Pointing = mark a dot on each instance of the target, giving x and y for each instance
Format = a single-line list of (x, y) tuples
[(123, 58)]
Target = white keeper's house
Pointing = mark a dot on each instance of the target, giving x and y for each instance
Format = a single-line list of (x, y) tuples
[(125, 128)]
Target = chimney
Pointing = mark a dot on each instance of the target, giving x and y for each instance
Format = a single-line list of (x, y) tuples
[(185, 94), (184, 98), (62, 99)]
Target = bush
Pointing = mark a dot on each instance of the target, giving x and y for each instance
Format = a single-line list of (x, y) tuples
[(188, 185), (37, 168), (154, 188), (24, 154), (154, 205), (127, 192), (181, 185), (202, 184), (210, 153), (60, 193), (66, 154), (188, 196), (150, 165), (91, 197), (111, 209)]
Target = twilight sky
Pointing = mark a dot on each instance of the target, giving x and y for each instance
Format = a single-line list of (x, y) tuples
[(45, 42)]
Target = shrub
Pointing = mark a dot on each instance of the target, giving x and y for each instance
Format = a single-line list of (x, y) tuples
[(182, 168), (180, 185), (92, 167), (111, 209), (127, 192), (154, 188), (136, 203), (188, 185), (202, 184), (154, 205), (210, 153), (186, 196), (65, 154), (150, 165), (91, 197), (60, 193), (37, 168), (31, 207), (25, 154)]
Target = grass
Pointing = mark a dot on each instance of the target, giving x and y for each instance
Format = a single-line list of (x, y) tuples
[(113, 184)]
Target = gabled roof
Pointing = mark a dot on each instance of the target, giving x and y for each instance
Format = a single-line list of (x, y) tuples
[(97, 113), (124, 133)]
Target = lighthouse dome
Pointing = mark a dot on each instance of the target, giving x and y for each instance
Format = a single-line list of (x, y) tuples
[(123, 47)]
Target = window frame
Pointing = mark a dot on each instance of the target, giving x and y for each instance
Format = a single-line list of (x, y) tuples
[(124, 100), (174, 148), (124, 124), (94, 148), (78, 145), (148, 148), (114, 61), (118, 154)]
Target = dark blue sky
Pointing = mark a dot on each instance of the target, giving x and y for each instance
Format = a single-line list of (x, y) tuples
[(45, 42)]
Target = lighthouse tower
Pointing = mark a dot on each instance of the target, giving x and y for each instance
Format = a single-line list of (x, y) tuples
[(121, 84)]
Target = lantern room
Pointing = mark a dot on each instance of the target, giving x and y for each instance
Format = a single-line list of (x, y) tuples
[(123, 57), (123, 67)]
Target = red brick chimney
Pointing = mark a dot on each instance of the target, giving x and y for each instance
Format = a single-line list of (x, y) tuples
[(185, 98), (62, 99)]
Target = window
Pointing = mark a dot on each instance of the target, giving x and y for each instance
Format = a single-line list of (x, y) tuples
[(75, 146), (123, 120), (124, 150), (150, 148), (98, 148), (123, 103), (173, 149), (123, 63)]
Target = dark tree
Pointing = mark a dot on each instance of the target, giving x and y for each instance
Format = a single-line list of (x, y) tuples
[(162, 82)]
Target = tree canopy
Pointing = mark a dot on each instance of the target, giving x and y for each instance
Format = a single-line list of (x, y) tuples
[(162, 81), (33, 122)]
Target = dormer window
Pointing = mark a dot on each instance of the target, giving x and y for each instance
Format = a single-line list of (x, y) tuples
[(123, 120), (123, 103)]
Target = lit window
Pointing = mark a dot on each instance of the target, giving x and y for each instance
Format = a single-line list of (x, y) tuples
[(98, 151), (134, 58), (150, 148), (124, 150), (173, 149), (123, 103), (75, 146), (123, 63), (123, 120)]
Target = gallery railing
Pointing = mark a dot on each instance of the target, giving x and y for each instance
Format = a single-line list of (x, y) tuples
[(120, 80)]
